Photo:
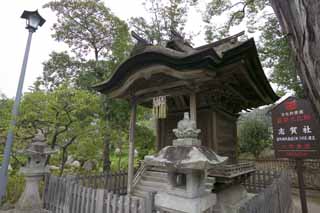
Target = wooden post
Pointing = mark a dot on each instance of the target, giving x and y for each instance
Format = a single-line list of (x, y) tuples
[(131, 143), (299, 168), (193, 107)]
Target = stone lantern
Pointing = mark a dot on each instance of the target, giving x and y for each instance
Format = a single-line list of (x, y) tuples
[(33, 172), (186, 163)]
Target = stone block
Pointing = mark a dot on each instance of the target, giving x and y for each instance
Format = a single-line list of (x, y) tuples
[(175, 204)]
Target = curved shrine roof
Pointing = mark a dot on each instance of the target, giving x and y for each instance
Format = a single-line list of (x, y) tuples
[(227, 74)]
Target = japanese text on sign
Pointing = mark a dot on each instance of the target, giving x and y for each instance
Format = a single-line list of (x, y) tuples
[(295, 129)]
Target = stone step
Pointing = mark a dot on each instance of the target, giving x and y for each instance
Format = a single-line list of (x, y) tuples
[(147, 188), (208, 185), (208, 190), (156, 174), (154, 179), (157, 169), (154, 184), (210, 180), (140, 193)]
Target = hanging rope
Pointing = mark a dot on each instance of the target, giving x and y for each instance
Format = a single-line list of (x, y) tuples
[(160, 107)]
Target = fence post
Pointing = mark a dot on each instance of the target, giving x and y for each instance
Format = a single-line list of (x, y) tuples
[(45, 190), (148, 205), (68, 196), (99, 200), (279, 196), (127, 204)]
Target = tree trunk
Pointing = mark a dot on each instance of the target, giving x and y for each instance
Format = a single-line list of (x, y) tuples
[(106, 152), (64, 159), (300, 20), (106, 141)]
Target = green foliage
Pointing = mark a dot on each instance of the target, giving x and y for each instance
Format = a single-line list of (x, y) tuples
[(256, 16), (254, 136), (165, 16), (276, 55), (5, 116), (59, 69), (68, 118), (88, 27), (15, 187), (145, 141), (62, 104), (236, 12)]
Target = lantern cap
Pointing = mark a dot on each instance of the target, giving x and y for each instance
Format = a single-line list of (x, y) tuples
[(35, 14)]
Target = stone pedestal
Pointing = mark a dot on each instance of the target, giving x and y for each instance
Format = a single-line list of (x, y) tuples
[(229, 200), (186, 163), (177, 204), (30, 200), (35, 169)]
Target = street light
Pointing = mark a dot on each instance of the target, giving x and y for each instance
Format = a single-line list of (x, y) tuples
[(33, 21)]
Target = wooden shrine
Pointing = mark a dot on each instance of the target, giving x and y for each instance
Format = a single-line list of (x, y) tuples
[(214, 82)]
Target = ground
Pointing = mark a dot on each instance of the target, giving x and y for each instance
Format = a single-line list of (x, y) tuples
[(313, 202)]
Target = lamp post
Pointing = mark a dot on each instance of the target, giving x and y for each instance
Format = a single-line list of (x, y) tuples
[(33, 21)]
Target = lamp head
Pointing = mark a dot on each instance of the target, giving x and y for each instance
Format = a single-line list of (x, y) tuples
[(33, 20)]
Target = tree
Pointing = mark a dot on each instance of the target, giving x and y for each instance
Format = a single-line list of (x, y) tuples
[(256, 16), (64, 115), (89, 27), (5, 116), (276, 55), (254, 136), (300, 22), (164, 18), (236, 13), (60, 69)]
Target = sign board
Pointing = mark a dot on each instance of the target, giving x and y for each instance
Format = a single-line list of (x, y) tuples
[(296, 131)]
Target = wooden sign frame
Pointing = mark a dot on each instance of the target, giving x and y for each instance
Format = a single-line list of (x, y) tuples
[(296, 130)]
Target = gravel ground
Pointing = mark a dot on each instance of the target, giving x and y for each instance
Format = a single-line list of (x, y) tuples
[(313, 204)]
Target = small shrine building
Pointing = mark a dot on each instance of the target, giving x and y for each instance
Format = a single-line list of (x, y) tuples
[(214, 82)]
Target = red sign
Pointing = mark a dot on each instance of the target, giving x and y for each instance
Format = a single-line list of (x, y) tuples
[(296, 131), (291, 105)]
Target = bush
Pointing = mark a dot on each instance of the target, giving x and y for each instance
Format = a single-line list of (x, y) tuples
[(15, 188), (254, 136)]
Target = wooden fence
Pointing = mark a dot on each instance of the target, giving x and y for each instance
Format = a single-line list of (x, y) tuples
[(275, 198), (280, 164), (311, 173), (113, 182), (259, 180), (83, 195), (64, 195)]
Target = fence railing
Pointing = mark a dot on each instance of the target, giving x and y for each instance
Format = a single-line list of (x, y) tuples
[(259, 180), (275, 198), (279, 164), (311, 173), (115, 182), (83, 195), (64, 195)]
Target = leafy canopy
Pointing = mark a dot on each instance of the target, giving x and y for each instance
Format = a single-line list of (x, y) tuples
[(165, 16), (254, 136), (87, 27), (256, 16)]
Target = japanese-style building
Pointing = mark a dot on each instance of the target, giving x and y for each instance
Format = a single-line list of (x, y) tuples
[(195, 169), (214, 82)]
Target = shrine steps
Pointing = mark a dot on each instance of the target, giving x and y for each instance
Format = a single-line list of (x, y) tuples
[(155, 181), (150, 181), (209, 184)]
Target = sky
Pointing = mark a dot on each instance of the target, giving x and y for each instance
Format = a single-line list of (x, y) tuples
[(13, 38)]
